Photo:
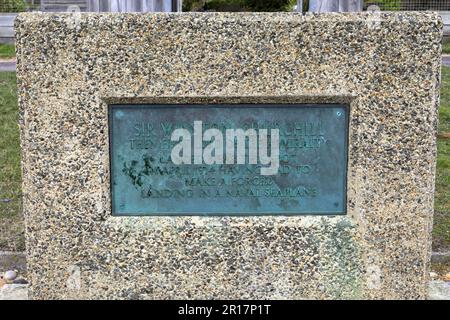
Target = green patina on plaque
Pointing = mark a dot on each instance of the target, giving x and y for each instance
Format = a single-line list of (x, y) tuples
[(310, 177)]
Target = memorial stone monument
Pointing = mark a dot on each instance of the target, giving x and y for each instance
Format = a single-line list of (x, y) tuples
[(222, 155)]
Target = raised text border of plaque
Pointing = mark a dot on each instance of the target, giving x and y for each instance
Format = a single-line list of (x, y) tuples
[(311, 177)]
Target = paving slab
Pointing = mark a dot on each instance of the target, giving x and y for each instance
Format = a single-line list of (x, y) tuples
[(7, 66)]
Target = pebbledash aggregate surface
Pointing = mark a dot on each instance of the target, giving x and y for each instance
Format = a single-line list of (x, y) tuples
[(386, 66), (437, 290)]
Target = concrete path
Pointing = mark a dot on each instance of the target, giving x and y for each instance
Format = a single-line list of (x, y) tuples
[(446, 60), (14, 292), (441, 257), (438, 290), (7, 65)]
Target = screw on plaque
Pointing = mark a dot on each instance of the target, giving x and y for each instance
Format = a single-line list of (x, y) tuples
[(120, 114)]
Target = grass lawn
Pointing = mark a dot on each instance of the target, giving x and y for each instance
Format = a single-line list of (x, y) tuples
[(11, 225), (446, 48), (441, 230), (7, 51)]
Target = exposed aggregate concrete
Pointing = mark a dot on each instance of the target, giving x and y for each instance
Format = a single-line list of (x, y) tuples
[(387, 70)]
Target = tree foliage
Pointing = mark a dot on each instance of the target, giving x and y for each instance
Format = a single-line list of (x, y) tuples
[(12, 5)]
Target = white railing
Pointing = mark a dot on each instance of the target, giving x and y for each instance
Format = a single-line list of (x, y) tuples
[(112, 5), (134, 5)]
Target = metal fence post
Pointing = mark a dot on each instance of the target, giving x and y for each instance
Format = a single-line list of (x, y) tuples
[(299, 5)]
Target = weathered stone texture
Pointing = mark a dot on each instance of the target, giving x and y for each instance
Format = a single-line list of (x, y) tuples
[(386, 66)]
